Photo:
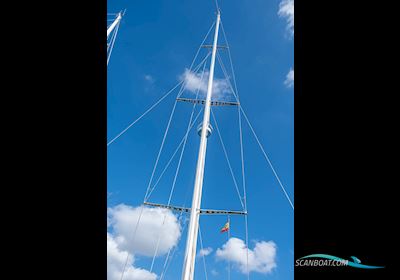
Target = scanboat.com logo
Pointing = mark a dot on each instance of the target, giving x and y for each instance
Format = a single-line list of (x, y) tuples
[(328, 260)]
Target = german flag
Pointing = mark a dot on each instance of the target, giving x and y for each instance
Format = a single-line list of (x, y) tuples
[(225, 228)]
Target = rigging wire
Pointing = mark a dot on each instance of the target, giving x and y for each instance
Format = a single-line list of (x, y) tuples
[(242, 161), (229, 237), (112, 42), (171, 256), (165, 268), (267, 158), (254, 133), (216, 4), (244, 191), (154, 105), (177, 169), (165, 135), (162, 144), (172, 157), (203, 257), (227, 159)]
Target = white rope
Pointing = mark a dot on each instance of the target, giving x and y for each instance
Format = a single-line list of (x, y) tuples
[(251, 127), (148, 110), (245, 194), (158, 243), (161, 147), (247, 247), (171, 256), (172, 157), (112, 43), (242, 158), (241, 151), (133, 239), (230, 59), (198, 50), (155, 104), (216, 5), (186, 136), (227, 159), (229, 237), (203, 257), (177, 169), (267, 158), (162, 144)]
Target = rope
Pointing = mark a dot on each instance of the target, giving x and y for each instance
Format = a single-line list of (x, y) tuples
[(227, 159), (161, 147), (247, 247), (230, 58), (172, 157), (244, 190), (148, 110), (113, 41), (165, 134), (177, 169), (216, 4), (229, 237), (198, 50), (168, 261), (267, 158), (155, 166), (251, 127), (133, 239), (186, 136), (154, 105), (162, 144), (203, 257), (241, 144)]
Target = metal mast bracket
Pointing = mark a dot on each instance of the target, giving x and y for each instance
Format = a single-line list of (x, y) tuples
[(213, 102), (211, 46), (202, 211)]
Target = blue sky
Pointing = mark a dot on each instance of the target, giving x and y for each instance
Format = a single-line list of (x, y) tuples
[(156, 42)]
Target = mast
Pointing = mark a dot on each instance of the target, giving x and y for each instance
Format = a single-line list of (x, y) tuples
[(191, 243), (112, 26)]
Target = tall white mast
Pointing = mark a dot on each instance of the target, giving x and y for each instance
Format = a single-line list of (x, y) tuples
[(114, 24), (191, 243)]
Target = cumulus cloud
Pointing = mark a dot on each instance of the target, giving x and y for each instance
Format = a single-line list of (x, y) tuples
[(116, 260), (261, 257), (154, 223), (195, 81), (205, 251), (149, 78), (286, 10), (289, 82)]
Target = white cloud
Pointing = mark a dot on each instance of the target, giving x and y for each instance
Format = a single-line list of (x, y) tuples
[(286, 10), (116, 260), (123, 219), (149, 78), (261, 258), (289, 82), (205, 251), (214, 272), (195, 81)]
